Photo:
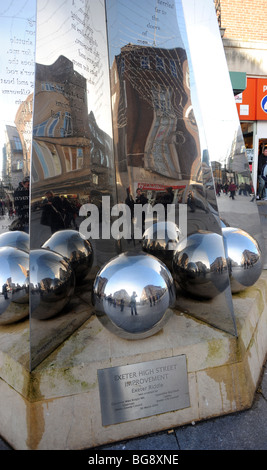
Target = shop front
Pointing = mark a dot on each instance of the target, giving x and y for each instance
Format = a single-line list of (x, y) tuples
[(252, 110)]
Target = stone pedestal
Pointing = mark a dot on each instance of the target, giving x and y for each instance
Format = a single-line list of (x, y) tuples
[(57, 405)]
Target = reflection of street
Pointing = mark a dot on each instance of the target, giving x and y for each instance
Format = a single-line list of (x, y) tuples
[(4, 301), (242, 213), (146, 316)]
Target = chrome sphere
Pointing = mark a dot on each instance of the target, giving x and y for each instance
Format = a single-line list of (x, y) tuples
[(244, 258), (199, 265), (77, 250), (161, 240), (52, 283), (14, 287), (132, 294), (17, 239)]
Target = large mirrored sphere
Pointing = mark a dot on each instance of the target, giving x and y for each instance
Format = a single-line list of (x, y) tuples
[(199, 265), (161, 240), (14, 285), (132, 294), (52, 283), (244, 258), (71, 245), (17, 239)]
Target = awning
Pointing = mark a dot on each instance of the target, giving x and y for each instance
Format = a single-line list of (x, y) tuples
[(239, 81)]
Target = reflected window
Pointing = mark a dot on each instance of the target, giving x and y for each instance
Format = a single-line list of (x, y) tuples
[(145, 62), (34, 173), (160, 64), (17, 166), (67, 126), (39, 129), (17, 143), (79, 158), (173, 68), (48, 158), (73, 158), (52, 87), (95, 178), (122, 65), (47, 128)]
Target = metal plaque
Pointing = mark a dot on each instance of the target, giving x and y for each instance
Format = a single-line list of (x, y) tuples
[(145, 389)]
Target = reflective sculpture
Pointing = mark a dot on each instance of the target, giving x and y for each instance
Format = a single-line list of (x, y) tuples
[(17, 239), (244, 258), (14, 281), (199, 265), (52, 283), (161, 240), (77, 250), (132, 294)]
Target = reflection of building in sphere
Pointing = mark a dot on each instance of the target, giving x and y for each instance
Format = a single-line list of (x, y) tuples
[(244, 258), (199, 265), (161, 240), (77, 250), (124, 290), (14, 285), (52, 283)]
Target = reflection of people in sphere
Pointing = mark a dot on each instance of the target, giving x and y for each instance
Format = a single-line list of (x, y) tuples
[(4, 291), (133, 303)]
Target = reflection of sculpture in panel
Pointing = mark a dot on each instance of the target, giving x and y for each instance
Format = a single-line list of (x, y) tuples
[(155, 129)]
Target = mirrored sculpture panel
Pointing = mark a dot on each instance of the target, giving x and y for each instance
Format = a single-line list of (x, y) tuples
[(17, 32), (72, 158), (161, 154)]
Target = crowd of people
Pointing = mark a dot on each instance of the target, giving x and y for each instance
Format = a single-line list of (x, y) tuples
[(232, 189), (58, 212)]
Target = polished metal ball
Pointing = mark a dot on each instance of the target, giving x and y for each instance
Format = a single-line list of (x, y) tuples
[(52, 283), (132, 294), (244, 258), (199, 265), (14, 285), (77, 250), (161, 240), (17, 239)]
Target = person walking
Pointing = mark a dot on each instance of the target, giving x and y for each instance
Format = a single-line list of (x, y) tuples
[(232, 189), (261, 182)]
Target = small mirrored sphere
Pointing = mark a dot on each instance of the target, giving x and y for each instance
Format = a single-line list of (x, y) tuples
[(17, 239), (244, 258), (77, 250), (199, 265), (132, 294), (52, 283), (14, 285), (161, 240)]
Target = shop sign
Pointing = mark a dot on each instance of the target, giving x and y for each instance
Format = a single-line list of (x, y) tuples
[(144, 389), (157, 187), (252, 102), (261, 111), (264, 104)]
